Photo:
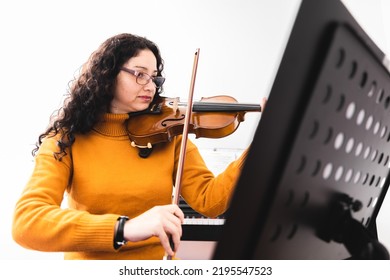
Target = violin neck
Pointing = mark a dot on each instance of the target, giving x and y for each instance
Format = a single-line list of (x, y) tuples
[(224, 107)]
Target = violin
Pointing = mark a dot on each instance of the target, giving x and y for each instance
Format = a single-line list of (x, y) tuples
[(211, 117)]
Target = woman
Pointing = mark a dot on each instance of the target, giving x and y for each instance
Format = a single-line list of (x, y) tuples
[(119, 200)]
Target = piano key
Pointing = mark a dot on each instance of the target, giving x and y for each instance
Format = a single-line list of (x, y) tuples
[(203, 221), (197, 227)]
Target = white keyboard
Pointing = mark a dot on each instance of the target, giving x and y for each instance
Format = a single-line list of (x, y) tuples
[(203, 221)]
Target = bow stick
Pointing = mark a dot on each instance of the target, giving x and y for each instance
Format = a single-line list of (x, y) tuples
[(176, 191)]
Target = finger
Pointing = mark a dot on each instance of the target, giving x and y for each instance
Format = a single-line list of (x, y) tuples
[(263, 103), (177, 212), (164, 239), (173, 225), (176, 242), (174, 229)]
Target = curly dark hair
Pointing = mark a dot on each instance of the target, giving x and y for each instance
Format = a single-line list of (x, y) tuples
[(91, 93)]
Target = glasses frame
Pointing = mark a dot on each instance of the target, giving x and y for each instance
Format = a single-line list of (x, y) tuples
[(143, 78)]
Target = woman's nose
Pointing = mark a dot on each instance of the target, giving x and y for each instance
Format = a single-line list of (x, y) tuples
[(150, 85)]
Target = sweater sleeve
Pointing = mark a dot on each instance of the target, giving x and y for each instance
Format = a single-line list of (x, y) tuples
[(39, 221), (208, 194)]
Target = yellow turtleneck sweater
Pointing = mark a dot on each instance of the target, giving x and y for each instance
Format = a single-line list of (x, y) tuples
[(110, 179)]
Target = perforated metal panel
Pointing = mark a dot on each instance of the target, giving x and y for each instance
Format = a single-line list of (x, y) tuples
[(342, 148), (325, 138)]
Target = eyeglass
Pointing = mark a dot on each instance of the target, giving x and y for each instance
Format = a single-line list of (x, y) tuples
[(143, 78)]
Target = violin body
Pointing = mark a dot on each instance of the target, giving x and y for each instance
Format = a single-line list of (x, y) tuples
[(212, 117)]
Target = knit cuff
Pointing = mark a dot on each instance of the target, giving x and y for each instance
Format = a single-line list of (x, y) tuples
[(95, 232)]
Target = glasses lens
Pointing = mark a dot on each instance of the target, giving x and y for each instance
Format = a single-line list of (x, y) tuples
[(142, 78)]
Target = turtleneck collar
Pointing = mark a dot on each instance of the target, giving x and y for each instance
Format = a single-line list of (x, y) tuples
[(112, 125)]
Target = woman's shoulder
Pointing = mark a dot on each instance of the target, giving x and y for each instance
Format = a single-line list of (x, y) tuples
[(50, 144)]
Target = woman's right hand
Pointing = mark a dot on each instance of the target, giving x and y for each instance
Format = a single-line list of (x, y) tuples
[(161, 221)]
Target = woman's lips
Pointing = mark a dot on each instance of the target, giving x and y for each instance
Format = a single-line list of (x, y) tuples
[(145, 98)]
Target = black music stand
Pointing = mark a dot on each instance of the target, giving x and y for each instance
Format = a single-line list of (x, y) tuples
[(318, 169)]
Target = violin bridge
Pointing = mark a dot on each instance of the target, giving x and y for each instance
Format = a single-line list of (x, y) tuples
[(175, 104)]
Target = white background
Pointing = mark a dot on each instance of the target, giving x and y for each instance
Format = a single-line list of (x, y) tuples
[(43, 44)]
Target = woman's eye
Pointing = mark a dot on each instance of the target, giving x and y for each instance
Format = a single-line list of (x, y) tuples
[(144, 76)]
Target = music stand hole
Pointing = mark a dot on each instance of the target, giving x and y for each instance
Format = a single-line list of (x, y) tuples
[(380, 96), (359, 148), (383, 131), (357, 177), (365, 178), (386, 161), (372, 89), (369, 122), (360, 117), (376, 127), (338, 142), (348, 175), (292, 232), (369, 202), (276, 233), (380, 158), (372, 180), (378, 181), (305, 200), (353, 69), (340, 58), (387, 102), (338, 173), (350, 110), (363, 80), (317, 168), (328, 135), (327, 171), (341, 103), (367, 152), (349, 145), (374, 155)]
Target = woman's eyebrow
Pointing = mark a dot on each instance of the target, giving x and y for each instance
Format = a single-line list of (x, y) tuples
[(144, 68)]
